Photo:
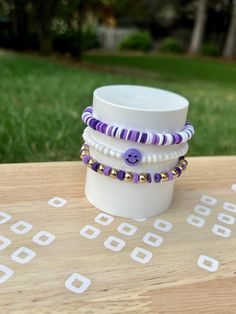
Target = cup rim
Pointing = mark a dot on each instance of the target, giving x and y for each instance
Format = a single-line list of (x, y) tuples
[(106, 93)]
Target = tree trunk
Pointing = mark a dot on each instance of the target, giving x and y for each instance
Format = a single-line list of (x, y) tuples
[(229, 48), (199, 27), (44, 11)]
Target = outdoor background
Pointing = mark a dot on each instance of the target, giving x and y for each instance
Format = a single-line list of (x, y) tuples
[(54, 53)]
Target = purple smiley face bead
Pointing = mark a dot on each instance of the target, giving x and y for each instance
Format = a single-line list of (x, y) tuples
[(132, 157)]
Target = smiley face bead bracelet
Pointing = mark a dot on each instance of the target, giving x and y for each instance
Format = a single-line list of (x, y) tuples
[(128, 176), (146, 137)]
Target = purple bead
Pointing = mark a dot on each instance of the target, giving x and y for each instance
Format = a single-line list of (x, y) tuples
[(136, 178), (129, 134), (178, 170), (107, 170), (86, 159), (125, 133), (133, 136), (121, 175), (103, 128), (132, 157), (115, 131), (143, 138), (89, 109), (137, 136), (122, 134), (95, 166), (149, 178), (157, 177), (164, 139), (170, 175), (110, 130)]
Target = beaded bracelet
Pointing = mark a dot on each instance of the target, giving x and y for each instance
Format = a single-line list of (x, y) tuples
[(128, 176), (144, 157), (158, 139)]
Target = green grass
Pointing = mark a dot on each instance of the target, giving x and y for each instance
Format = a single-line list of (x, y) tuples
[(41, 102)]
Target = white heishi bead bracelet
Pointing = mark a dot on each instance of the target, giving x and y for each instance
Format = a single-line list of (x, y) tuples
[(146, 157)]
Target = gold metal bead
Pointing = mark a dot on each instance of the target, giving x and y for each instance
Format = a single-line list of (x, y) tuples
[(142, 178), (128, 177), (91, 162), (84, 153), (113, 173), (164, 176), (101, 168), (175, 173), (84, 147)]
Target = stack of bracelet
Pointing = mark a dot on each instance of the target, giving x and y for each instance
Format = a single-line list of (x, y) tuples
[(129, 176)]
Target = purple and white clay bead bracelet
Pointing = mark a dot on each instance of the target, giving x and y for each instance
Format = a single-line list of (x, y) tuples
[(158, 139), (128, 176)]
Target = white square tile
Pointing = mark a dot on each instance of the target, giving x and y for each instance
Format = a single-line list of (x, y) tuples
[(221, 231), (230, 207), (202, 210), (57, 201), (4, 242), (152, 239), (227, 219), (39, 238), (90, 232), (208, 200), (115, 244), (141, 255), (104, 219), (233, 187), (208, 263), (27, 253), (127, 229), (196, 221), (21, 227), (5, 273), (72, 283), (162, 225), (4, 217)]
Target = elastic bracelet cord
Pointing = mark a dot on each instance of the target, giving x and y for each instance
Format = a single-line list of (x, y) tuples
[(159, 139), (128, 176)]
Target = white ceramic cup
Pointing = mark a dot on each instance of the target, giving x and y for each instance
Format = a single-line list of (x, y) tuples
[(139, 108)]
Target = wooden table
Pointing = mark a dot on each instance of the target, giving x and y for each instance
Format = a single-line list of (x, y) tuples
[(171, 282)]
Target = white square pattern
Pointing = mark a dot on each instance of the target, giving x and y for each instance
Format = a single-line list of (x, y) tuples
[(141, 255), (196, 221), (127, 229), (27, 253), (21, 227), (152, 239), (115, 244), (227, 219), (208, 263), (230, 207), (5, 273), (39, 238), (208, 200), (4, 217), (4, 242), (162, 225), (104, 219), (233, 187), (57, 201), (202, 210), (74, 278), (90, 232), (221, 231)]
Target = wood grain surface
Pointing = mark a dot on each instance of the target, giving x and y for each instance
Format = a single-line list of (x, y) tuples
[(171, 282)]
